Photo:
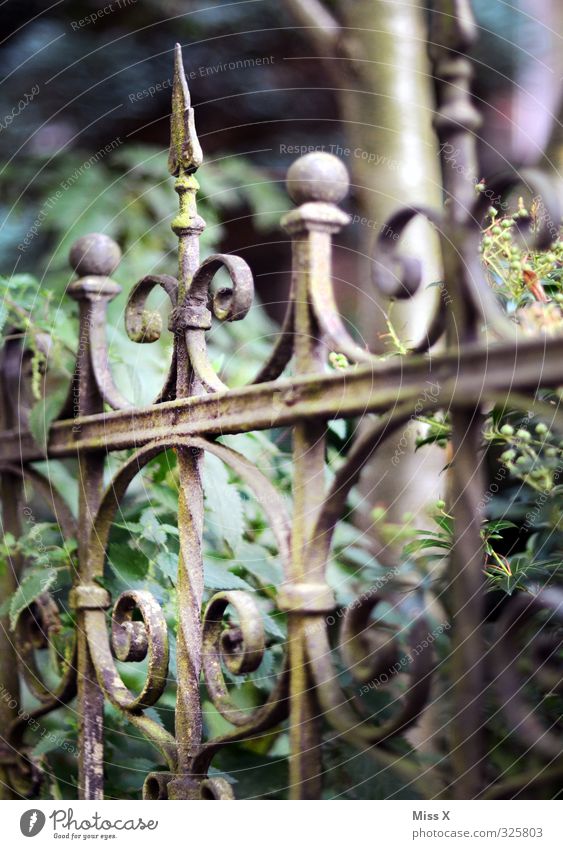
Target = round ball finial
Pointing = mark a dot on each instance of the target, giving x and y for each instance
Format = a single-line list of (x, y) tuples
[(317, 176), (95, 254)]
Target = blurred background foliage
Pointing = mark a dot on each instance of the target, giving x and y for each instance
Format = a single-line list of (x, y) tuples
[(88, 154)]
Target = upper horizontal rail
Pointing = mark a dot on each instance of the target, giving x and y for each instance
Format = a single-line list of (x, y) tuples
[(451, 378)]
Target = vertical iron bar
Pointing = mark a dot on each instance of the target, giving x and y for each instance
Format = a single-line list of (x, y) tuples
[(93, 257), (467, 605), (452, 33), (11, 500), (313, 178), (308, 492), (190, 515), (184, 159)]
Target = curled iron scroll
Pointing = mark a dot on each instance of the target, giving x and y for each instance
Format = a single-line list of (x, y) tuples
[(355, 639), (397, 276), (36, 621), (394, 274), (225, 304), (241, 649), (131, 640), (475, 283), (363, 653), (143, 325), (544, 647), (33, 631)]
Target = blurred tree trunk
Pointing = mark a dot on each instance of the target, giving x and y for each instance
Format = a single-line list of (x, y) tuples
[(553, 158)]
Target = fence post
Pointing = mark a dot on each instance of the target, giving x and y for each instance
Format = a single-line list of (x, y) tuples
[(316, 181), (94, 258), (185, 157)]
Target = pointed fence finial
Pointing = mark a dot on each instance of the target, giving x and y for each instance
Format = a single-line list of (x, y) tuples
[(185, 151)]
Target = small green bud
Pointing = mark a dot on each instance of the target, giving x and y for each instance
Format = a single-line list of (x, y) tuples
[(507, 430), (508, 456), (338, 361), (524, 435), (541, 428), (496, 231)]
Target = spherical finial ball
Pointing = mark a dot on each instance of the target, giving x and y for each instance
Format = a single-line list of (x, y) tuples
[(317, 176), (95, 254)]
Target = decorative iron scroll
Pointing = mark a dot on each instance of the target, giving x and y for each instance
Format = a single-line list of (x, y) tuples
[(194, 407)]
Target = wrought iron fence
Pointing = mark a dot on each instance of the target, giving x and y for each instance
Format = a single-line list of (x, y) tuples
[(472, 370)]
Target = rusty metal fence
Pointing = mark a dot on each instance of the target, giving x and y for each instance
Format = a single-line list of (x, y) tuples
[(473, 369)]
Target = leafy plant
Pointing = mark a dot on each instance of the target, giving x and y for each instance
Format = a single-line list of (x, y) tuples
[(239, 550)]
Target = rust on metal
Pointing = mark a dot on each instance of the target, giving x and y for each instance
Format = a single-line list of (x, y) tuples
[(195, 406)]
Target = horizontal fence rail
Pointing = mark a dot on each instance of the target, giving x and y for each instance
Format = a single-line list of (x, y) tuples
[(469, 373)]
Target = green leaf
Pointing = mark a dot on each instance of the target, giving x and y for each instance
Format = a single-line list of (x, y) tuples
[(142, 765), (44, 413), (151, 528), (31, 587), (128, 564), (258, 561), (162, 465), (498, 525), (8, 542), (223, 501), (271, 625), (3, 319), (339, 427), (164, 496), (63, 480), (421, 544), (167, 562), (49, 743), (446, 523), (218, 577)]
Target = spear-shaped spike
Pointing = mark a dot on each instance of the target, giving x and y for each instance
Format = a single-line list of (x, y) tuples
[(185, 151)]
